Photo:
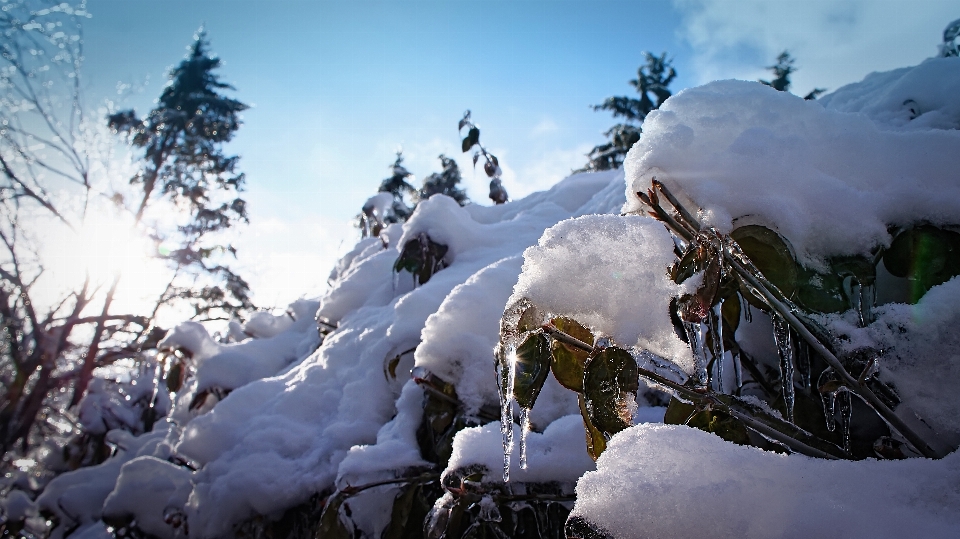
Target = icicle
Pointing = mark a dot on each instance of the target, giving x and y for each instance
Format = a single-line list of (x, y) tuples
[(737, 371), (782, 335), (745, 307), (829, 398), (829, 405), (396, 279), (506, 407), (695, 333), (716, 330), (803, 363), (846, 413), (868, 298), (524, 429)]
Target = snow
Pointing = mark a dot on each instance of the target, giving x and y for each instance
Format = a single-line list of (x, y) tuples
[(275, 441), (556, 454), (597, 269), (831, 181), (304, 415), (76, 499), (921, 353), (683, 482)]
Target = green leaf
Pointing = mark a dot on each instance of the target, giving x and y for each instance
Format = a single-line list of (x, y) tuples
[(610, 381), (530, 319), (688, 265), (175, 377), (410, 507), (820, 292), (730, 311), (472, 138), (678, 412), (596, 443), (772, 255), (392, 367), (926, 255), (331, 525), (422, 257), (568, 362), (533, 365), (713, 421)]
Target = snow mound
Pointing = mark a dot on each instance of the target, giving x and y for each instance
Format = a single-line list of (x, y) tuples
[(683, 482), (830, 179)]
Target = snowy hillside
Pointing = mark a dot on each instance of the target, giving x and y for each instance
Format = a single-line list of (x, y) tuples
[(398, 384)]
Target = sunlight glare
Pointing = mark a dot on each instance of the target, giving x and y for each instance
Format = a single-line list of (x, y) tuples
[(104, 247)]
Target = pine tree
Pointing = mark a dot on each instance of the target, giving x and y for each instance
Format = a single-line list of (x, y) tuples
[(183, 159), (444, 182), (951, 40), (653, 79), (781, 76), (398, 186)]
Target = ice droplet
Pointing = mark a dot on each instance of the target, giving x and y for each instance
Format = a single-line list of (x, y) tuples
[(524, 429), (783, 337)]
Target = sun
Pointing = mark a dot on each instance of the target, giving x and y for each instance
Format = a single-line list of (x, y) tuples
[(104, 248)]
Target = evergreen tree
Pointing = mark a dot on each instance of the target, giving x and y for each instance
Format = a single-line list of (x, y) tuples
[(444, 182), (183, 159), (781, 76), (398, 186), (951, 40), (652, 83)]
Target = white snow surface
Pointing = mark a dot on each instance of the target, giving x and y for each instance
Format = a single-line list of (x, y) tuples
[(297, 419), (829, 179), (668, 482), (609, 273)]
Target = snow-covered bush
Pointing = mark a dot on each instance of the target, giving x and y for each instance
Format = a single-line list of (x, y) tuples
[(388, 423)]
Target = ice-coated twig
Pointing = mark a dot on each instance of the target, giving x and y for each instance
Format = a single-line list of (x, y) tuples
[(772, 427), (779, 303)]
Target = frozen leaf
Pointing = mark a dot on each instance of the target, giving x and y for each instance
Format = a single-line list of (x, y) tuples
[(820, 292), (926, 255), (410, 507), (610, 384), (568, 362), (490, 169), (716, 422), (532, 367), (422, 257), (472, 139), (596, 443), (772, 255), (332, 525), (531, 319)]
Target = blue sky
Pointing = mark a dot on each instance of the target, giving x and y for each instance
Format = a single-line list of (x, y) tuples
[(336, 87)]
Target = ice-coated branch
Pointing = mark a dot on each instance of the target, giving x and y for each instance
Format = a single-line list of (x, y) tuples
[(769, 425), (927, 446)]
